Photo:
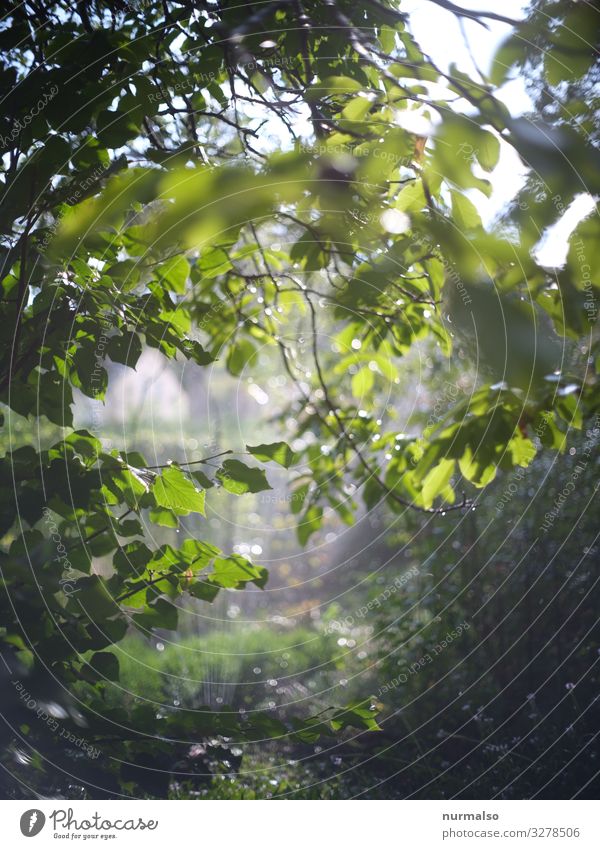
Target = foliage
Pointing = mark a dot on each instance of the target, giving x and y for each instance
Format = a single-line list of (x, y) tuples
[(504, 706)]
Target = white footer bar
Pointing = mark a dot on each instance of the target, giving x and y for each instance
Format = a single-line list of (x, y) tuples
[(302, 825)]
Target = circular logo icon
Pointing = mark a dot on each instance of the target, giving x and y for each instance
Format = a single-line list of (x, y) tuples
[(32, 822)]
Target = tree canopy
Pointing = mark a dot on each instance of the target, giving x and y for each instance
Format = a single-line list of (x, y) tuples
[(216, 181)]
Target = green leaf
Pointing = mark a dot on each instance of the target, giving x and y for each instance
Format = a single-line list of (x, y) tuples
[(458, 144), (194, 351), (203, 590), (159, 614), (115, 128), (174, 272), (310, 522), (464, 212), (480, 467), (238, 478), (84, 444), (355, 110), (356, 715), (132, 558), (298, 497), (437, 480), (125, 348), (106, 665), (236, 571), (362, 382), (387, 37), (204, 481), (488, 149), (337, 85), (239, 356), (163, 517), (510, 54), (522, 450), (93, 599), (412, 198), (175, 491)]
